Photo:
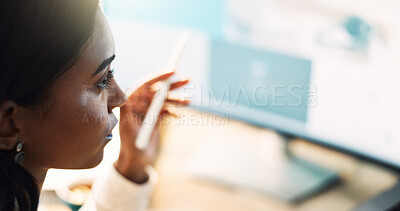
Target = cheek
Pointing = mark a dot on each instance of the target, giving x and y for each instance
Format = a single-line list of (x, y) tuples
[(75, 130), (92, 111)]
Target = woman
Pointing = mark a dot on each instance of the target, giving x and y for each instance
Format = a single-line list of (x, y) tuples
[(56, 100)]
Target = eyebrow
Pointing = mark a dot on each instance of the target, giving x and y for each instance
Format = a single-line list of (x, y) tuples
[(104, 64)]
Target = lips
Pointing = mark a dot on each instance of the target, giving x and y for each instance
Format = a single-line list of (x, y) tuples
[(109, 134)]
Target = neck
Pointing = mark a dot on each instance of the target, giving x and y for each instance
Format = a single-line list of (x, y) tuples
[(38, 173)]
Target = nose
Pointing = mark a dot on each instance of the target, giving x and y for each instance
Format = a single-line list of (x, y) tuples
[(116, 97)]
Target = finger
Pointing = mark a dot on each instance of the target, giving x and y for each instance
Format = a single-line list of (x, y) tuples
[(166, 112), (173, 114), (178, 101), (152, 92), (178, 84), (157, 78)]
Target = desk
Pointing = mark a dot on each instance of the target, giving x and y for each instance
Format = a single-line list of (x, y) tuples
[(177, 190)]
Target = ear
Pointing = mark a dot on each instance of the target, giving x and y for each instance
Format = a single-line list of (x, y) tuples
[(8, 131)]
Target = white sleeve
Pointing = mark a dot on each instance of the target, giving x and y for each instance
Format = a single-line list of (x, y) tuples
[(114, 192)]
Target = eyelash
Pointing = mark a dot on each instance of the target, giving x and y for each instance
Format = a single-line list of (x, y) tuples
[(105, 84)]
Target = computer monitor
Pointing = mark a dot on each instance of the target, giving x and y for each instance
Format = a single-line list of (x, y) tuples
[(350, 106), (346, 107)]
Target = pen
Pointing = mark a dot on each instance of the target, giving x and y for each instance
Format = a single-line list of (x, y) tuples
[(161, 94)]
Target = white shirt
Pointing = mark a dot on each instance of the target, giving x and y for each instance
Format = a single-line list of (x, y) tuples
[(114, 192)]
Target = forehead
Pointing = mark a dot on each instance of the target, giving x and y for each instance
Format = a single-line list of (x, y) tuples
[(99, 47), (101, 44)]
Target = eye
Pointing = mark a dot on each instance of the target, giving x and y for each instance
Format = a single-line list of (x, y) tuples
[(105, 83)]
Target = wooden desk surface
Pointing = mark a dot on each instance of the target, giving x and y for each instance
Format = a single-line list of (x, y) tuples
[(177, 190)]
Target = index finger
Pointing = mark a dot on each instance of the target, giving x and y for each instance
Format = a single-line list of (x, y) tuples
[(148, 80), (158, 78)]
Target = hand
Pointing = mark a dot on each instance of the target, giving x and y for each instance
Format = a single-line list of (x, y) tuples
[(132, 161)]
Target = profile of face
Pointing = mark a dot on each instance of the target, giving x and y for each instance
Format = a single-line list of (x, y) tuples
[(72, 129)]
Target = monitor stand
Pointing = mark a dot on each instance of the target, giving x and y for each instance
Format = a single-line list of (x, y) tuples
[(267, 166), (307, 179), (389, 200)]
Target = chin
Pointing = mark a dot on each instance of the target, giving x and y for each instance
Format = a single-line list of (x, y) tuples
[(93, 162), (97, 160)]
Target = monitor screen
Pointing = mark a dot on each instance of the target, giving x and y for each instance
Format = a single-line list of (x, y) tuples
[(346, 105)]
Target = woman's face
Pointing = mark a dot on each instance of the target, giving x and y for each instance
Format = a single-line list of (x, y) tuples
[(79, 115)]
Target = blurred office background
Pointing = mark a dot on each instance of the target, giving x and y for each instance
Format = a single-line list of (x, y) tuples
[(263, 21), (351, 37), (353, 46)]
